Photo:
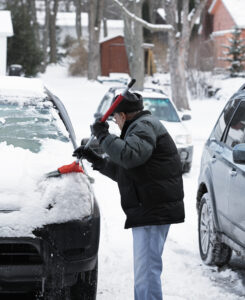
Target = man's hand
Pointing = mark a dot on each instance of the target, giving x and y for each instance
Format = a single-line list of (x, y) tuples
[(100, 130), (87, 153)]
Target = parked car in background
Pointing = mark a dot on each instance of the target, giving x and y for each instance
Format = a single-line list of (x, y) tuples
[(220, 196), (163, 108), (49, 227)]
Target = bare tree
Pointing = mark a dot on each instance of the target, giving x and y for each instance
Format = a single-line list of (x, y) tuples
[(53, 9), (45, 40), (95, 17), (133, 36), (179, 41), (78, 6), (33, 13)]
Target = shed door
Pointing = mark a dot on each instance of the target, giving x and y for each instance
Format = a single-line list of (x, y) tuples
[(118, 62)]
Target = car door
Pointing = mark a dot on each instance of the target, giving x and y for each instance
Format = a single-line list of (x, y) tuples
[(236, 172), (221, 161), (220, 179)]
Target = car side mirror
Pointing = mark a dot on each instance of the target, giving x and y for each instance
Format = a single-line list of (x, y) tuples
[(186, 117), (239, 154)]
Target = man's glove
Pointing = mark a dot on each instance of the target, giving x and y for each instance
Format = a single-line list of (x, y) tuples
[(88, 154), (100, 130)]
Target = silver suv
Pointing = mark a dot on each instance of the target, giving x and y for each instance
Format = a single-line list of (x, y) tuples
[(220, 198)]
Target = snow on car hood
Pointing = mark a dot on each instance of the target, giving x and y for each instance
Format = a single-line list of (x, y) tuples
[(175, 128), (34, 200)]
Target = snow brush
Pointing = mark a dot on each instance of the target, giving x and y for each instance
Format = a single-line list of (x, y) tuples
[(112, 108), (75, 166)]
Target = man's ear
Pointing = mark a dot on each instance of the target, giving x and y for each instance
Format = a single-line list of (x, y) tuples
[(123, 116)]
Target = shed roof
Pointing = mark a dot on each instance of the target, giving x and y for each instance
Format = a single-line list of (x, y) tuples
[(6, 27), (236, 9)]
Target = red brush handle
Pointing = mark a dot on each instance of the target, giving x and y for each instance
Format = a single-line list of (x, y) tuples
[(112, 108), (117, 101)]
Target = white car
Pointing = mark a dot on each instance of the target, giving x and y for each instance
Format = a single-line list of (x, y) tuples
[(163, 108)]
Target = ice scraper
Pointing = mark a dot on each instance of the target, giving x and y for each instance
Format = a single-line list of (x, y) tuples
[(75, 166)]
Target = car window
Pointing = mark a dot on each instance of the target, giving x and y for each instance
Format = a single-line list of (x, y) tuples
[(161, 108), (224, 119), (236, 131), (27, 126), (105, 103)]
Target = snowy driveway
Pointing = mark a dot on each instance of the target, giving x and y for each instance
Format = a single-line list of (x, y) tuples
[(184, 275)]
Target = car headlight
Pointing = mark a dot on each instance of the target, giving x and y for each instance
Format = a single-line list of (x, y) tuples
[(183, 139)]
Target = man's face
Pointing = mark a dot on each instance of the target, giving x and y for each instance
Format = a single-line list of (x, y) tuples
[(120, 119)]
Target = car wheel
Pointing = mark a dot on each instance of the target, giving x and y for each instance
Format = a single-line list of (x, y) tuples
[(86, 286), (212, 251)]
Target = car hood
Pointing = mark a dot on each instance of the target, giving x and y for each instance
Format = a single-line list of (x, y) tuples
[(175, 128), (28, 199)]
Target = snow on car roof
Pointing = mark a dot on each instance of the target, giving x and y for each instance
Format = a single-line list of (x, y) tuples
[(21, 89)]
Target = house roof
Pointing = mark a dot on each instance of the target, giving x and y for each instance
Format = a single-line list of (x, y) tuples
[(236, 9), (6, 27)]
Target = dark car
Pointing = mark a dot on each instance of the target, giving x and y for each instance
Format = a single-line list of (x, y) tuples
[(220, 196), (49, 226), (163, 108)]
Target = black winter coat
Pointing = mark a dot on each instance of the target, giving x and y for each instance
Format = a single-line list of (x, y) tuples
[(145, 163)]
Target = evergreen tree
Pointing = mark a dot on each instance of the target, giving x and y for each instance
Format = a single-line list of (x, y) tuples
[(236, 53), (23, 48)]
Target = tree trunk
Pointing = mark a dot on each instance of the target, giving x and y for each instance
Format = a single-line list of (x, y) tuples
[(105, 27), (52, 31), (133, 37), (95, 17), (178, 46), (78, 6), (45, 41), (33, 11)]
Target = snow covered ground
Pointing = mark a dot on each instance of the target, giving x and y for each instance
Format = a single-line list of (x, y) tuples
[(185, 277)]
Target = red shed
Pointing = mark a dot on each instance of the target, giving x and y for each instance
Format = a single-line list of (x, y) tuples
[(113, 56)]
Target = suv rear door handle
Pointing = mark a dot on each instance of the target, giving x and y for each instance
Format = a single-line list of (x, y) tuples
[(233, 172)]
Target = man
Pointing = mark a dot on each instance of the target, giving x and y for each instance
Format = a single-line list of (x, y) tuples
[(144, 162)]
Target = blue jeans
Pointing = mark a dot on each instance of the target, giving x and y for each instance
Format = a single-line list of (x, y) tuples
[(148, 243)]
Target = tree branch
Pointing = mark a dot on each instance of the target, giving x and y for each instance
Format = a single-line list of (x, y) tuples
[(197, 13), (145, 24)]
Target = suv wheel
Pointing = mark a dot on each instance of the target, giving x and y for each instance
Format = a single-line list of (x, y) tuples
[(212, 251)]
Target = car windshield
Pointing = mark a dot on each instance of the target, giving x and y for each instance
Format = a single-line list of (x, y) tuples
[(28, 125), (161, 108)]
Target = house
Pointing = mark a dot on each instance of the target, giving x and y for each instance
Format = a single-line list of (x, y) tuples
[(226, 14), (6, 30)]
